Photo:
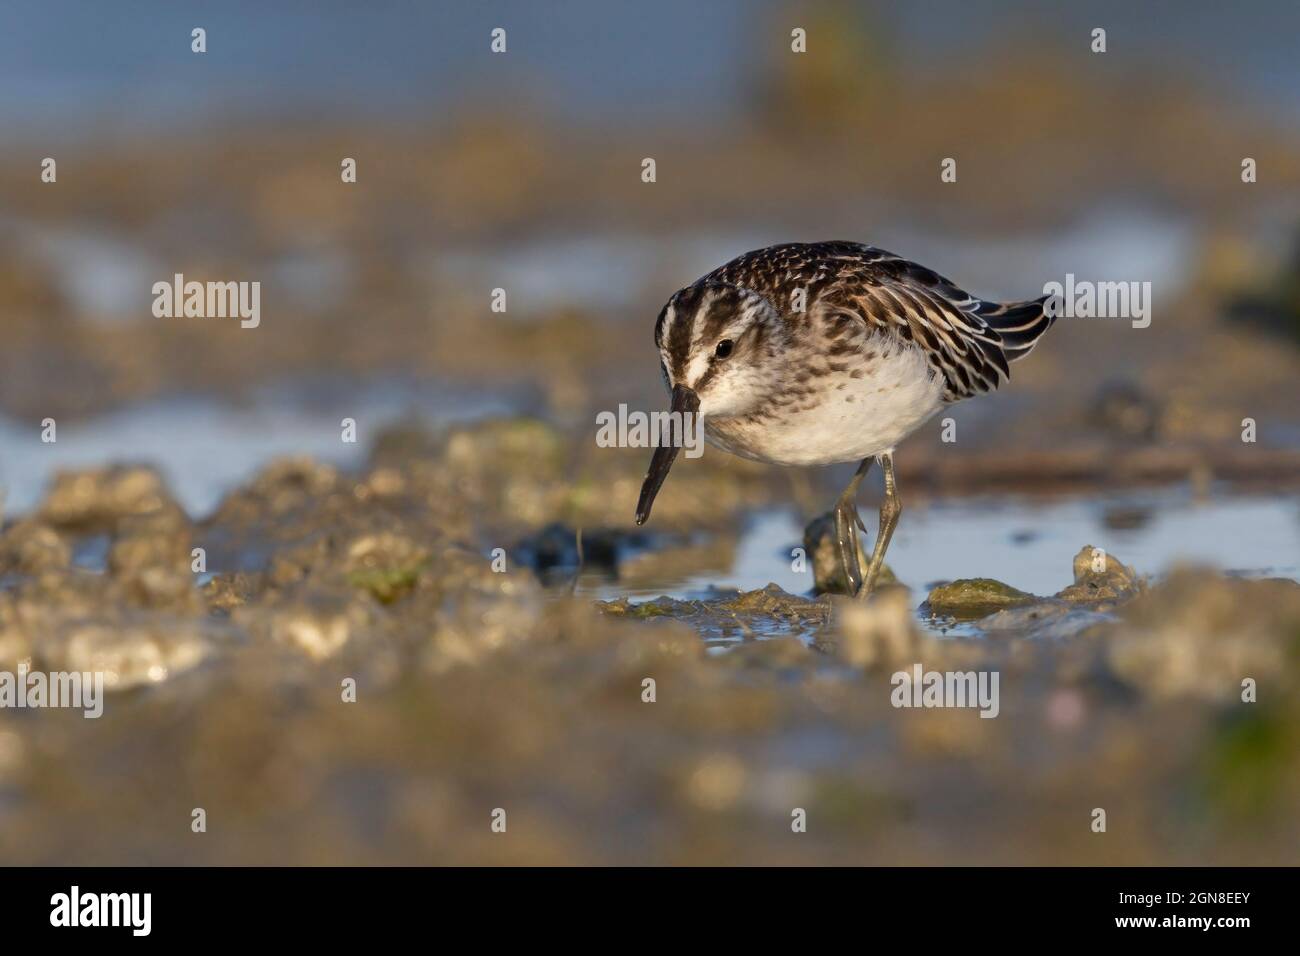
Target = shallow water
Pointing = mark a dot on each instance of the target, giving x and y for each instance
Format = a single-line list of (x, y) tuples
[(1027, 544), (204, 447)]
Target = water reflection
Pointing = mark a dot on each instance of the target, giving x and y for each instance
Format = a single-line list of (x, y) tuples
[(1029, 545)]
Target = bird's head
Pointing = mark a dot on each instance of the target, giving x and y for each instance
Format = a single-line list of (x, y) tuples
[(720, 350), (723, 343)]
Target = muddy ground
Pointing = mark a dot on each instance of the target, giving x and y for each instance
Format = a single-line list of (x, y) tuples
[(480, 688)]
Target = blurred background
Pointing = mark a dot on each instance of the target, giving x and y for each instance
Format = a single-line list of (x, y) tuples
[(522, 171)]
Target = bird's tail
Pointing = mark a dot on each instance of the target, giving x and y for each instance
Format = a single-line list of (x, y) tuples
[(1019, 324)]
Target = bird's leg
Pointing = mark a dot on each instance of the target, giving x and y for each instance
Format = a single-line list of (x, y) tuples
[(890, 509), (847, 522)]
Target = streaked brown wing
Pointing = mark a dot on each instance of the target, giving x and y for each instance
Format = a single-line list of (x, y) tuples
[(901, 298)]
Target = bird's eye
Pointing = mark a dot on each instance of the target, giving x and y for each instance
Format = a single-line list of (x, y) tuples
[(724, 348)]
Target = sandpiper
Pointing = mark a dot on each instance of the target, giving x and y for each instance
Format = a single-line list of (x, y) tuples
[(828, 352)]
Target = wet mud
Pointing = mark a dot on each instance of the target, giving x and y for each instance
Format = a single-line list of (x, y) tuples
[(365, 666)]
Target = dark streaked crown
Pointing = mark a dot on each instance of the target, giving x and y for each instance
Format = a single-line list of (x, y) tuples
[(700, 310)]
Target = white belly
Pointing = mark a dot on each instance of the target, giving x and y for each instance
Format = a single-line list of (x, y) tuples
[(848, 419)]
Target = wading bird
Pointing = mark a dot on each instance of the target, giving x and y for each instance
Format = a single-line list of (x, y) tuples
[(828, 352)]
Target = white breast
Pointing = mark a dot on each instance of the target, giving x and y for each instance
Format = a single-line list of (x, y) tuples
[(848, 419)]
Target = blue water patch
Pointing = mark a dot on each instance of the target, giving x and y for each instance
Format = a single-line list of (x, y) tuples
[(1027, 544), (204, 447)]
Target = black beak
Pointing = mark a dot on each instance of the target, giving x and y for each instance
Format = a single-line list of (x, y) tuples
[(684, 401)]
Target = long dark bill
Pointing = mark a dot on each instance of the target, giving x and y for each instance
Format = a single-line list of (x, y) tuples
[(687, 404)]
